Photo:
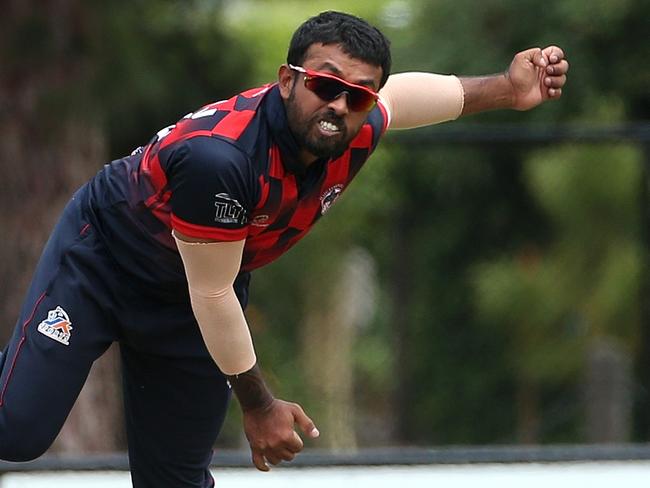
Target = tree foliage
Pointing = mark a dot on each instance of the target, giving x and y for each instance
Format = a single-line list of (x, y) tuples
[(495, 263)]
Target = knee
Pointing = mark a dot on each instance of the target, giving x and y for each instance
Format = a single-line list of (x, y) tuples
[(21, 454), (19, 451), (19, 444)]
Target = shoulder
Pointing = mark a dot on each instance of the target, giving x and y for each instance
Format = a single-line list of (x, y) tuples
[(228, 119)]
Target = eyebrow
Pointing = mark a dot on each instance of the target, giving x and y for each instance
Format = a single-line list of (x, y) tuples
[(330, 67)]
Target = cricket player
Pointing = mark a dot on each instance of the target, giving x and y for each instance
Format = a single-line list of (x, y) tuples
[(155, 252)]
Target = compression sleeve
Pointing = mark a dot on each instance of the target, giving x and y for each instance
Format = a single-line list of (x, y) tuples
[(415, 99), (211, 269)]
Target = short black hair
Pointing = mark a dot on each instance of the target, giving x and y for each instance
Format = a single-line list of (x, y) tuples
[(356, 37)]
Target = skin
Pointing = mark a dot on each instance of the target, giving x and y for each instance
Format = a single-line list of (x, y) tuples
[(305, 110), (534, 76)]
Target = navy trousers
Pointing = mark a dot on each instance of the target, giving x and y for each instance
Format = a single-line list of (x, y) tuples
[(80, 301)]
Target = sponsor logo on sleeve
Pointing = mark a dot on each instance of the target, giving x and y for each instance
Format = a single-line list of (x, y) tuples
[(228, 210), (57, 326)]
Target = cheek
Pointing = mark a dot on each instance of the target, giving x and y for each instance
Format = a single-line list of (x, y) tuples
[(305, 105)]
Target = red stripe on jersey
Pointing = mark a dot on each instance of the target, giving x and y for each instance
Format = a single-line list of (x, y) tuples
[(226, 104), (266, 240), (289, 190), (304, 215), (156, 173), (256, 92), (163, 215), (264, 185), (204, 232), (178, 134), (338, 171), (276, 169), (363, 138), (337, 175), (233, 124)]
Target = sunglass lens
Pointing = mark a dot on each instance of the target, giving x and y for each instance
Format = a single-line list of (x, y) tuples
[(326, 88), (361, 101), (329, 89)]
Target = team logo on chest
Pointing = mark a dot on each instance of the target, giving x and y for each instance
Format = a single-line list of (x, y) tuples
[(328, 198), (57, 326)]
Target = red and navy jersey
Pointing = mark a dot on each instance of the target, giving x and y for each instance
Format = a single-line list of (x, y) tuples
[(230, 171)]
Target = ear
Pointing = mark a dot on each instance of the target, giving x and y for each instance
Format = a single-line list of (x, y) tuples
[(285, 81)]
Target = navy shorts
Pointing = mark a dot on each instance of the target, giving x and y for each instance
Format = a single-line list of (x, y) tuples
[(80, 301)]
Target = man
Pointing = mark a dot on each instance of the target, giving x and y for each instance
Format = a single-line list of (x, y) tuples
[(156, 250)]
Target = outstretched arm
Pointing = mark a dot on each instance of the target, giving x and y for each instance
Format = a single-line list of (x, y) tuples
[(416, 99)]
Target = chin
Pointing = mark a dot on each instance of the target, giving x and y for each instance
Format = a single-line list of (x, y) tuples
[(327, 151)]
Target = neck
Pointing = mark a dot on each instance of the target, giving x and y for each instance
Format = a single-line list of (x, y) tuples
[(307, 158)]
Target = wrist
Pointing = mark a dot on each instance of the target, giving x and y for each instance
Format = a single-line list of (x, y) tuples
[(484, 93), (250, 389)]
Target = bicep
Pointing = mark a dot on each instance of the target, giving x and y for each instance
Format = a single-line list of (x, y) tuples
[(210, 266), (417, 99)]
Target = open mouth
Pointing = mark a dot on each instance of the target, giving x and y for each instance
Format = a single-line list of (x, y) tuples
[(329, 127)]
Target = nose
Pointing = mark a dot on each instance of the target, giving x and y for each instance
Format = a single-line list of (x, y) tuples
[(340, 104)]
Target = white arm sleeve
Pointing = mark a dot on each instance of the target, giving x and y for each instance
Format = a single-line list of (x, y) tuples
[(211, 269), (416, 99)]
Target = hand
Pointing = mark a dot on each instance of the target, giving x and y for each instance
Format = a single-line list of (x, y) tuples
[(537, 75), (271, 435)]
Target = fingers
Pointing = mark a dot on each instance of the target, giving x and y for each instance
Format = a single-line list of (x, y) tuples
[(274, 440), (273, 456), (554, 92), (259, 461), (306, 424), (551, 57), (556, 69), (555, 81), (553, 54), (559, 68)]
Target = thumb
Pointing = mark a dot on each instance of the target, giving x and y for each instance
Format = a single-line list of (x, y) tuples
[(538, 57), (534, 56), (306, 424)]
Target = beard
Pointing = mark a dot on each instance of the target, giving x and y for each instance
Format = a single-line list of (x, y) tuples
[(307, 134)]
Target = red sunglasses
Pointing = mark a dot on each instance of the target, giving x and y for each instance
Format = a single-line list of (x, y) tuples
[(329, 87)]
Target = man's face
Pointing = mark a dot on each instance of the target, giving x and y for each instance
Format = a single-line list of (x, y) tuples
[(322, 128)]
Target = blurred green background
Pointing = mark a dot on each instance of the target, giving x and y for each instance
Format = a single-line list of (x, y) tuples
[(486, 292)]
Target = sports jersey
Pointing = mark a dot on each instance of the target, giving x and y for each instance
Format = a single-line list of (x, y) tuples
[(229, 171)]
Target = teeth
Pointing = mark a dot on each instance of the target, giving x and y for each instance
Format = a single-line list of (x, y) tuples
[(328, 126)]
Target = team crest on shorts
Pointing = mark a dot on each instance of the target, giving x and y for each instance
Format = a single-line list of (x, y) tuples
[(57, 326)]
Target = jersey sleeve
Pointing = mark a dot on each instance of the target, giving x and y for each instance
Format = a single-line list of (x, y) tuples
[(212, 189)]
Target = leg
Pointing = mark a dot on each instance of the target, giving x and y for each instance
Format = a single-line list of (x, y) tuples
[(174, 410), (61, 331)]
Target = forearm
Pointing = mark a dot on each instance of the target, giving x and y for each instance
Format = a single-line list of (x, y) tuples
[(224, 329), (211, 269), (483, 93), (229, 342), (251, 390)]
